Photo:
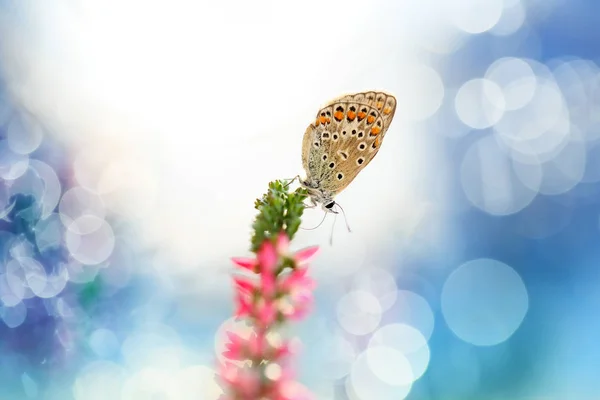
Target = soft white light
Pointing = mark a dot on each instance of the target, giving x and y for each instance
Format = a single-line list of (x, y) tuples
[(99, 380), (92, 247), (513, 17), (380, 283), (52, 187), (474, 16), (538, 128), (484, 302), (78, 202), (479, 103), (516, 79), (13, 316), (24, 135), (407, 340), (12, 165), (412, 309), (381, 373), (427, 83), (492, 183), (359, 312)]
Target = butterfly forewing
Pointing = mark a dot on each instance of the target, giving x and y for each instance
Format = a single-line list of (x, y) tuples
[(345, 137)]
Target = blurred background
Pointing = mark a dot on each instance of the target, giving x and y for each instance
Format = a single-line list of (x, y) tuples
[(135, 136)]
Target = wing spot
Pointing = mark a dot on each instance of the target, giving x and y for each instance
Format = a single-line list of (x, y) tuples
[(324, 157), (362, 114), (331, 165), (360, 161), (351, 115), (328, 113), (340, 176), (362, 146), (379, 104), (370, 119), (335, 137), (375, 131), (316, 145), (343, 133), (325, 135), (360, 134), (343, 154), (353, 131), (338, 115)]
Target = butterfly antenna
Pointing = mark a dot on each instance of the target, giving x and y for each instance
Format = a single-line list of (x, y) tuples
[(345, 219), (332, 226), (320, 223)]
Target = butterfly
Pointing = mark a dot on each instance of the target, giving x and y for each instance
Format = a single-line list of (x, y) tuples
[(343, 140)]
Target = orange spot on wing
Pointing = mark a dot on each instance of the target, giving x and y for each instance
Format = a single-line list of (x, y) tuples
[(387, 110), (361, 116), (322, 119), (379, 105), (317, 123), (338, 115), (370, 119), (351, 115), (328, 120), (377, 141), (375, 130)]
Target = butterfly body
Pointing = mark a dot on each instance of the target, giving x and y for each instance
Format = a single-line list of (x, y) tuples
[(343, 140)]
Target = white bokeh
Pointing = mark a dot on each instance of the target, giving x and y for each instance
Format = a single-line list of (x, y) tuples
[(359, 312), (484, 302), (479, 103)]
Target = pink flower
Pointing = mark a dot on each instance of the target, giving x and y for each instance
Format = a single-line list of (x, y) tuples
[(298, 298), (274, 297), (267, 257), (244, 381)]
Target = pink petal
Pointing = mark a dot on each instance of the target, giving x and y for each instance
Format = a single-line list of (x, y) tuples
[(244, 284), (282, 244), (267, 314), (247, 263), (244, 307), (305, 255), (268, 285), (267, 256)]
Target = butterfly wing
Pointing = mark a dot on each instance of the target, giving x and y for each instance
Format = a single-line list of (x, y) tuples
[(345, 137)]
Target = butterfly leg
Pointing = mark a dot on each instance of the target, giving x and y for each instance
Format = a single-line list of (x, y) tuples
[(313, 204), (291, 181)]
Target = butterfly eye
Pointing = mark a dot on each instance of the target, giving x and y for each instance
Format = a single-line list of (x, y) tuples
[(329, 206), (360, 161), (340, 176)]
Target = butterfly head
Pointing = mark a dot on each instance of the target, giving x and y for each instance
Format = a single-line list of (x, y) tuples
[(319, 196)]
